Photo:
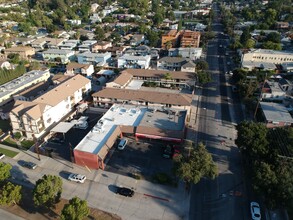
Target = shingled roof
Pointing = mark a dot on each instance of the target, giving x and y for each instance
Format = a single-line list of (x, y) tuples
[(145, 96)]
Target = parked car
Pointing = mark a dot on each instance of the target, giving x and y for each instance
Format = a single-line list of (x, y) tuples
[(57, 140), (2, 156), (122, 144), (77, 177), (255, 211), (28, 164), (168, 151), (125, 191)]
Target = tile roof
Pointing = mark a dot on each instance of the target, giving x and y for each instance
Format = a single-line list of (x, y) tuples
[(123, 78), (145, 96)]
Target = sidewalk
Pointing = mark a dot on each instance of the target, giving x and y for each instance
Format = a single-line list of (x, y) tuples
[(153, 196)]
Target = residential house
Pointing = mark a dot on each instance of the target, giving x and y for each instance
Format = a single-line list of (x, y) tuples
[(191, 52), (24, 52), (99, 59), (74, 22), (46, 42), (171, 63), (65, 56), (36, 118), (77, 68), (282, 25), (272, 91), (189, 67), (163, 78), (95, 17), (115, 51), (101, 46), (21, 83), (23, 41), (135, 62), (121, 81), (69, 45), (87, 45), (137, 39), (276, 115)]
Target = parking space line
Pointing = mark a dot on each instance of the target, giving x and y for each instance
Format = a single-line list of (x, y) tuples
[(156, 197)]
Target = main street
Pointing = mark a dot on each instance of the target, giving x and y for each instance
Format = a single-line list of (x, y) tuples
[(219, 111)]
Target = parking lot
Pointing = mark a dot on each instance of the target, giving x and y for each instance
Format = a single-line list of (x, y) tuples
[(140, 158), (72, 137)]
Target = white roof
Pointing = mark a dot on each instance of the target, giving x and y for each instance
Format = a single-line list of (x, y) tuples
[(115, 116), (135, 84), (62, 127)]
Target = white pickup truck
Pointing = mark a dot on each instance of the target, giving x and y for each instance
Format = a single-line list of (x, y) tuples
[(81, 123)]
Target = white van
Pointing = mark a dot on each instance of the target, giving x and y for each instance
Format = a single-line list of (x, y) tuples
[(122, 144)]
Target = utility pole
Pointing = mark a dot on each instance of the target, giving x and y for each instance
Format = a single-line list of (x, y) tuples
[(259, 97), (37, 147)]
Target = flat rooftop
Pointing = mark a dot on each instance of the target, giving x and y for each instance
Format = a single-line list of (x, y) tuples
[(130, 115), (276, 112), (164, 119), (102, 131)]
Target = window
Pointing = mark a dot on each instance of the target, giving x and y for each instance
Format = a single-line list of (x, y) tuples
[(49, 120)]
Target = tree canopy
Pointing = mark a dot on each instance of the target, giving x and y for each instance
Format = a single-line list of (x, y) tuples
[(10, 194), (47, 191), (4, 171), (196, 165), (77, 209)]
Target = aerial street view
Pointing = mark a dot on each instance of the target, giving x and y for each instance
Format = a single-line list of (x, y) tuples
[(146, 110)]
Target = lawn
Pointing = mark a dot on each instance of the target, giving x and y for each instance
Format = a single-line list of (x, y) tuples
[(8, 153), (27, 144)]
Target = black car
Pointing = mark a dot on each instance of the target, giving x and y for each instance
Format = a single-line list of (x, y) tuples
[(57, 140), (27, 164), (125, 191)]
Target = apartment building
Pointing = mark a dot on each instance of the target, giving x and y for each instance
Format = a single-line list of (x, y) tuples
[(24, 52), (36, 118), (99, 59), (163, 78), (189, 39), (171, 63), (191, 52), (135, 62), (170, 39), (184, 38), (109, 96), (19, 84)]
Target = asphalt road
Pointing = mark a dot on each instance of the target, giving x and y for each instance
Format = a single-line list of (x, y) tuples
[(219, 111)]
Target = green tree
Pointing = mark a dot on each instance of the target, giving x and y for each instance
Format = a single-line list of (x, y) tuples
[(203, 77), (271, 45), (4, 171), (252, 139), (245, 36), (77, 209), (47, 191), (14, 58), (249, 43), (202, 65), (152, 37), (10, 194), (99, 33), (197, 164)]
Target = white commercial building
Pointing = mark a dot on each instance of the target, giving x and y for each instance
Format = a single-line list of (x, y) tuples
[(262, 57), (99, 59)]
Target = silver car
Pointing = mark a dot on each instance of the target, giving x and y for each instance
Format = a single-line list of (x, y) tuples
[(77, 178)]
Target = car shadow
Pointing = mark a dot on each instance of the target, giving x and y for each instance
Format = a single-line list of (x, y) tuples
[(64, 174), (113, 188)]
